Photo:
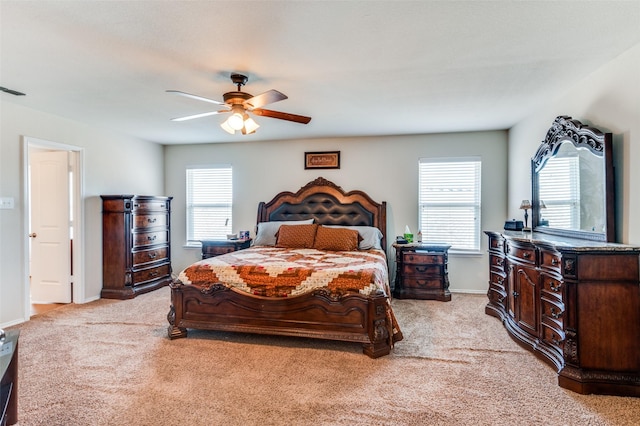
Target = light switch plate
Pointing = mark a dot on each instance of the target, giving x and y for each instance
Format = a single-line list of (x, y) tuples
[(6, 203)]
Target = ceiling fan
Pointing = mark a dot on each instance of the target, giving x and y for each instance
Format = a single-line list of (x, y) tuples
[(239, 104)]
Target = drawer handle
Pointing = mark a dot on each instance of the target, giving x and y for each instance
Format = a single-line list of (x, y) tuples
[(555, 339), (555, 314), (499, 261), (515, 294), (555, 261), (151, 237), (152, 219), (153, 255), (500, 280), (500, 299), (526, 255), (422, 268), (554, 286), (153, 273)]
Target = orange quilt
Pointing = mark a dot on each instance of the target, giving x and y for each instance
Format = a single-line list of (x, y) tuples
[(284, 272)]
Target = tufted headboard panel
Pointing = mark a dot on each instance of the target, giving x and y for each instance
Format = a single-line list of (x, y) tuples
[(327, 204)]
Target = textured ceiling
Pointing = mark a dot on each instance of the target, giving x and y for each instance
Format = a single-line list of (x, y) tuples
[(357, 67)]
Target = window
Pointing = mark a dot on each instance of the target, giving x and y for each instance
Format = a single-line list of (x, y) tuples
[(562, 202), (449, 202), (209, 203)]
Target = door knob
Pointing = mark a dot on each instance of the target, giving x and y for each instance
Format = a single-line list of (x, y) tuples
[(33, 235)]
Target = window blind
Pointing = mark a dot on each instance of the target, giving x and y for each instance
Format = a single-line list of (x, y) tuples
[(209, 203), (449, 202)]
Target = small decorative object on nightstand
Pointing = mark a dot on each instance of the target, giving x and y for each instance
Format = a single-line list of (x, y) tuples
[(212, 248), (421, 271)]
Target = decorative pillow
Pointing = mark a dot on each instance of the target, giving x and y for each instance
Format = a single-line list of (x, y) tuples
[(370, 235), (336, 239), (296, 236), (266, 234)]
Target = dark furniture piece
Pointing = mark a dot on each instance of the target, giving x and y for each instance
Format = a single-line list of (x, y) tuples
[(136, 249), (566, 292), (211, 248), (573, 302), (421, 271), (353, 317), (593, 216), (9, 381)]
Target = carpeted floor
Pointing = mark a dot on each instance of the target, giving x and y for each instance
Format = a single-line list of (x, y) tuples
[(110, 363)]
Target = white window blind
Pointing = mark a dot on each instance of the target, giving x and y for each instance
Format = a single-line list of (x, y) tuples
[(449, 202), (209, 203), (562, 202)]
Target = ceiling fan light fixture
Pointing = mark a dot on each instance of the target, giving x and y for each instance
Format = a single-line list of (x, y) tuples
[(250, 125), (236, 121), (227, 128)]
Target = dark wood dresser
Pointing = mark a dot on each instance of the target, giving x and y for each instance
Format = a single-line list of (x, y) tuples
[(421, 271), (9, 378), (136, 249), (575, 303), (212, 248)]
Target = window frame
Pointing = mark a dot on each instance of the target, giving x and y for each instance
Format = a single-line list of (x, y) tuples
[(475, 241), (192, 235)]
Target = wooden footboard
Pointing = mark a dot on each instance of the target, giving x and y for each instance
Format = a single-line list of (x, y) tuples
[(352, 318)]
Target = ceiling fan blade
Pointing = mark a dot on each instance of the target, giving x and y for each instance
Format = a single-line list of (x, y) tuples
[(204, 114), (282, 115), (268, 97), (200, 98)]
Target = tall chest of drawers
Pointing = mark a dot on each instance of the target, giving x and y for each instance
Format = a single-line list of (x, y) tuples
[(136, 249), (575, 303)]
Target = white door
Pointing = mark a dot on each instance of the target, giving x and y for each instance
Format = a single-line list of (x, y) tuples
[(50, 227)]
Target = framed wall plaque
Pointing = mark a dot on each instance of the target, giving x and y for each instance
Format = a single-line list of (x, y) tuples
[(322, 160)]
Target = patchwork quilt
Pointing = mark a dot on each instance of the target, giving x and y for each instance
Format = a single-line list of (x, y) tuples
[(284, 272)]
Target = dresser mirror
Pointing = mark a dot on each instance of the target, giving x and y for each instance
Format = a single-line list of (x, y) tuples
[(572, 182)]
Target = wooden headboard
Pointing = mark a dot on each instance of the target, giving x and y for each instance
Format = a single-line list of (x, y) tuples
[(327, 204)]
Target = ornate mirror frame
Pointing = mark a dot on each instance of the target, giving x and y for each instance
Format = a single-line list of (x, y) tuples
[(565, 129)]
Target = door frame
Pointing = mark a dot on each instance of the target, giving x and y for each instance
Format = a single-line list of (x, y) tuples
[(77, 166)]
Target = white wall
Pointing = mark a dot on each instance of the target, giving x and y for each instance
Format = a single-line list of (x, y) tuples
[(386, 167), (608, 99), (113, 164)]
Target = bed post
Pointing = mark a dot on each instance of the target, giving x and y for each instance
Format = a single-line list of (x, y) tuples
[(379, 328)]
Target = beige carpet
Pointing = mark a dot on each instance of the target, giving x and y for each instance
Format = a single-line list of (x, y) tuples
[(110, 363)]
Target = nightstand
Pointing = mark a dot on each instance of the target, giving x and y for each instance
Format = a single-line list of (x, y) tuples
[(211, 248), (421, 271)]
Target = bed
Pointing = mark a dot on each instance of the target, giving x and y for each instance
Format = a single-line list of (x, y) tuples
[(206, 297)]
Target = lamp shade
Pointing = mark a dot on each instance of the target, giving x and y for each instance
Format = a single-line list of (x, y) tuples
[(525, 204)]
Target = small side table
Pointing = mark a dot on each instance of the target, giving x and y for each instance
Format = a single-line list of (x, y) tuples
[(9, 378), (211, 248), (421, 271)]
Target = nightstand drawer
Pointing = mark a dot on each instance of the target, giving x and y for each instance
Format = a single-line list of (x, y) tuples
[(211, 248), (414, 282), (409, 269), (422, 258)]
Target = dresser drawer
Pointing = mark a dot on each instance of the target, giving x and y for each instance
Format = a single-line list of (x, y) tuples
[(423, 258), (522, 254), (496, 280), (553, 312), (552, 335), (151, 274), (550, 260), (151, 205), (426, 282), (496, 262), (143, 221), (149, 256), (421, 270), (551, 285), (496, 243), (141, 239)]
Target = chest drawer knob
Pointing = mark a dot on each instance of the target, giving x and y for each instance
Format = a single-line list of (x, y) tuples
[(554, 285), (526, 255), (555, 313), (515, 294)]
